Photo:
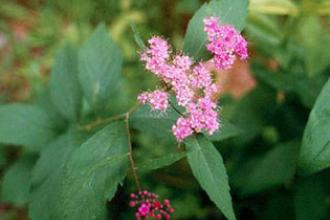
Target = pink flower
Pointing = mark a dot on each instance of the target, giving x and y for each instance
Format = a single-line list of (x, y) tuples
[(159, 48), (148, 206), (225, 43), (158, 100), (182, 62), (211, 27), (144, 209), (192, 83), (156, 55), (203, 116), (182, 128), (143, 98), (241, 48), (201, 77)]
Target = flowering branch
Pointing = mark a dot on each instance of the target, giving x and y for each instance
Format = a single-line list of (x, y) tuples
[(101, 121), (192, 84), (191, 81)]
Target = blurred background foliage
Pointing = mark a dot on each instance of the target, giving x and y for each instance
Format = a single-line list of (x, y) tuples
[(267, 101)]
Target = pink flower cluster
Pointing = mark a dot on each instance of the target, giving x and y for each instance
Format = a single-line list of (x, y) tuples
[(225, 43), (157, 99), (191, 82), (148, 206)]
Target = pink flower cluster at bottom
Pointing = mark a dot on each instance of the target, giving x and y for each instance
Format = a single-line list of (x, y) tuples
[(148, 206)]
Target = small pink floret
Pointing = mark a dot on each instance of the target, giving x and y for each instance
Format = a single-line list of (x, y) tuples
[(148, 206), (182, 128), (144, 209), (225, 43), (158, 100)]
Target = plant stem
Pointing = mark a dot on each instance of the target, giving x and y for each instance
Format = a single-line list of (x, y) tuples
[(100, 121), (137, 182), (125, 116), (175, 109)]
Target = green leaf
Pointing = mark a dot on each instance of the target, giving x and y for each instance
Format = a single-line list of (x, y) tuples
[(161, 162), (315, 150), (94, 172), (56, 118), (55, 155), (138, 39), (311, 199), (100, 64), (306, 88), (227, 130), (231, 12), (64, 85), (316, 46), (157, 123), (265, 30), (209, 170), (24, 125), (272, 169), (259, 105), (46, 200), (16, 182)]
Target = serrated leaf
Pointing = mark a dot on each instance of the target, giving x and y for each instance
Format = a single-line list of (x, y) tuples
[(55, 155), (23, 124), (231, 12), (209, 170), (100, 64), (16, 181), (272, 169), (155, 122), (315, 150), (94, 172), (64, 85), (56, 118), (46, 200), (160, 162)]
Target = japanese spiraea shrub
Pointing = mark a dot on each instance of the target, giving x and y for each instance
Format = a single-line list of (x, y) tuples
[(84, 156)]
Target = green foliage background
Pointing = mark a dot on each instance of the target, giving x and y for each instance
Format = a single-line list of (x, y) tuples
[(69, 68)]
